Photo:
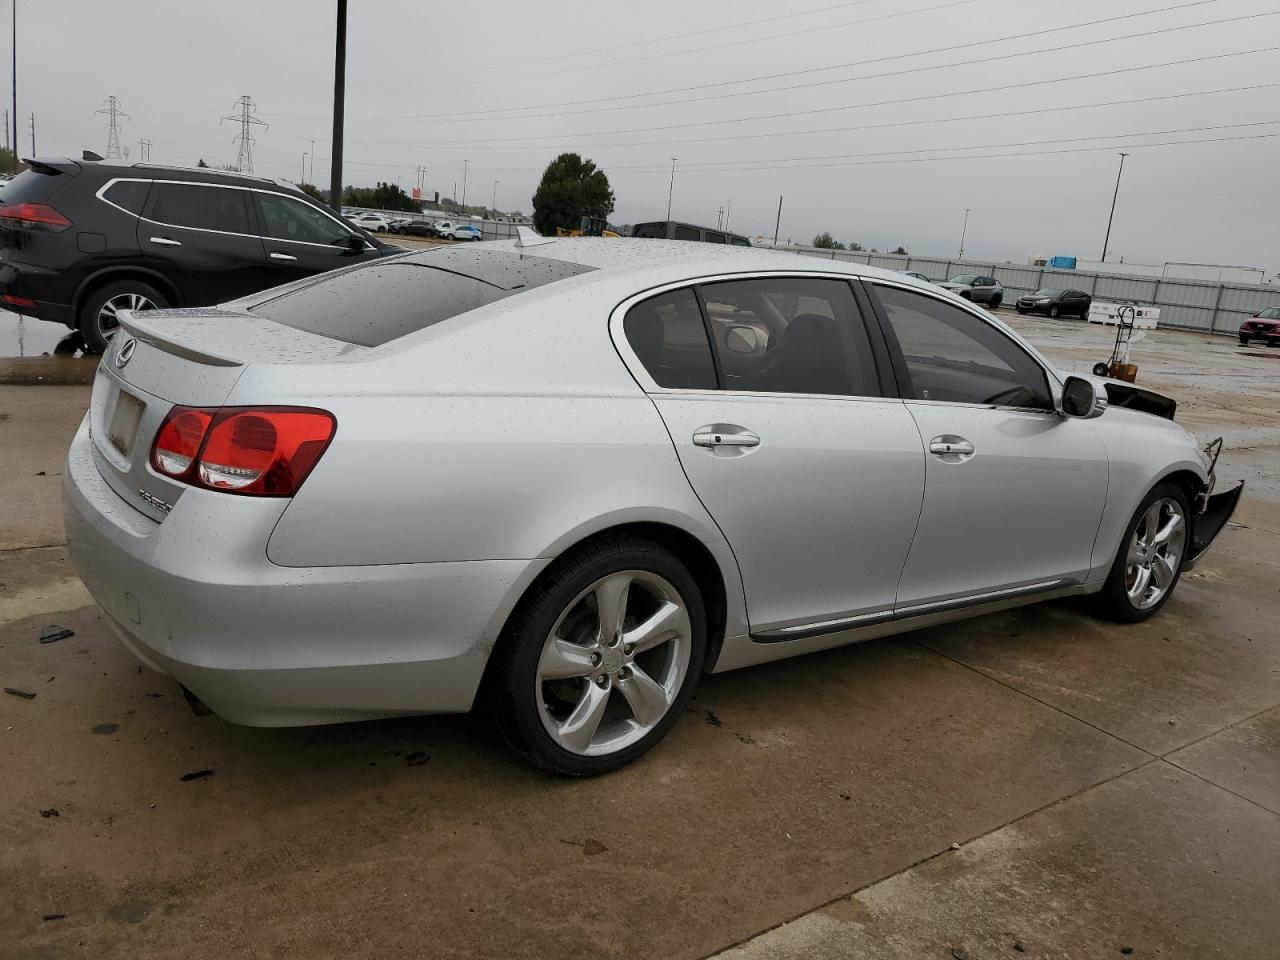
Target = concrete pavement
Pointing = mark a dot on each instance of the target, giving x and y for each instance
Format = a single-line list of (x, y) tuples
[(1109, 787)]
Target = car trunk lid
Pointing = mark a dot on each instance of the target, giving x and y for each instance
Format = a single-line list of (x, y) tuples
[(160, 360)]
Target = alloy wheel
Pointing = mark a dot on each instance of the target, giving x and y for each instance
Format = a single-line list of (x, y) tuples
[(108, 313), (614, 663), (1155, 552)]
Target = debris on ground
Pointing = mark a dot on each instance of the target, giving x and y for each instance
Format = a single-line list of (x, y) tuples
[(50, 812), (713, 719), (24, 694), (416, 759), (1019, 946), (196, 775), (54, 916), (955, 846), (593, 847), (104, 728), (53, 633), (1127, 950), (959, 953)]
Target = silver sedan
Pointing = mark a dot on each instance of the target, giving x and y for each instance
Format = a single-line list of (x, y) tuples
[(561, 479)]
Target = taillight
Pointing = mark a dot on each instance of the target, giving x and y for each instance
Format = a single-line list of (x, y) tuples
[(259, 451), (33, 216)]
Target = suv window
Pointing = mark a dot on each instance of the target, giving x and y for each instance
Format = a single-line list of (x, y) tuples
[(954, 356), (376, 304), (285, 218), (130, 195), (715, 237), (739, 242), (666, 333), (790, 335), (202, 207), (686, 233)]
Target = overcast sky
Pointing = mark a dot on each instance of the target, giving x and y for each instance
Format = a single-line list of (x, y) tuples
[(786, 98)]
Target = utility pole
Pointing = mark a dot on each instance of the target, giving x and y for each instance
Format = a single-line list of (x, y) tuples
[(493, 206), (33, 134), (311, 177), (464, 186), (963, 231), (727, 214), (246, 119), (304, 167), (144, 151), (339, 99), (114, 114), (6, 136), (671, 186), (1107, 241), (777, 222), (719, 217), (15, 90)]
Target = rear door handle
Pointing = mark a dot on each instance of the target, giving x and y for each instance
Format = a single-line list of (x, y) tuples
[(948, 445), (166, 242), (282, 256), (707, 437)]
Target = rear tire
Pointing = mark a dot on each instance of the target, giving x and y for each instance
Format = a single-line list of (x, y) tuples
[(995, 303), (1053, 312), (562, 666), (97, 320), (1149, 562)]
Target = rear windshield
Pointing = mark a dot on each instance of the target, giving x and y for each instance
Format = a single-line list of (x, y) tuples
[(388, 299)]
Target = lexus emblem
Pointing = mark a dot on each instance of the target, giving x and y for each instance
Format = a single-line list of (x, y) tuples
[(125, 353)]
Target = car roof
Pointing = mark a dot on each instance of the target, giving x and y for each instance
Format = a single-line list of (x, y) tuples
[(106, 169)]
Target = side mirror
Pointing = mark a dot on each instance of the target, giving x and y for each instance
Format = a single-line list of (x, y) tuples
[(353, 243), (742, 339), (1080, 399)]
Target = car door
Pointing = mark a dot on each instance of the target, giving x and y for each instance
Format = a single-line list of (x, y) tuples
[(1014, 492), (301, 239), (201, 237), (772, 397)]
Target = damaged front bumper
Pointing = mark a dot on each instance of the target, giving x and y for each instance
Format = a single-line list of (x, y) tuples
[(1212, 510)]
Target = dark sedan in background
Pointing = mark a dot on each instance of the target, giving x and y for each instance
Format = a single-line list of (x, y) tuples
[(1056, 303), (414, 228)]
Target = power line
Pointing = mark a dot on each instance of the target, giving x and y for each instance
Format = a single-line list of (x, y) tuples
[(862, 63), (1026, 84), (247, 120), (114, 114)]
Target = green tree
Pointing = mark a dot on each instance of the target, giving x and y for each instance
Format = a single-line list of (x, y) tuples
[(202, 164), (571, 188), (901, 251), (855, 247), (824, 241), (7, 164), (311, 190), (383, 196)]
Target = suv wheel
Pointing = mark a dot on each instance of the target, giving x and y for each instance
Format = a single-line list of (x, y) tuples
[(99, 313), (995, 302), (601, 657)]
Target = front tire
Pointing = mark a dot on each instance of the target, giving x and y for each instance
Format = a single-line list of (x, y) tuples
[(995, 303), (98, 319), (1053, 312), (1149, 562), (600, 657), (1021, 311)]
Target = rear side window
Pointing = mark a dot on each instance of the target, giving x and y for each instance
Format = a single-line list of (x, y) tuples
[(201, 207), (687, 233), (739, 242), (666, 333), (715, 237), (386, 300), (129, 195)]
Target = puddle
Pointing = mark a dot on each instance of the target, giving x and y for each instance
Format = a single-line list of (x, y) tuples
[(1273, 355), (24, 337)]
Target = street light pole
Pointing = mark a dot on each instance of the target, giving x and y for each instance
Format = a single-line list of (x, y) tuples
[(304, 165), (1107, 241), (339, 98), (15, 87), (464, 186), (311, 177), (727, 214), (671, 186), (963, 231), (493, 206)]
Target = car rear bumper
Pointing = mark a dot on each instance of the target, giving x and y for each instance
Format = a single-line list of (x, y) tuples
[(15, 281), (195, 597)]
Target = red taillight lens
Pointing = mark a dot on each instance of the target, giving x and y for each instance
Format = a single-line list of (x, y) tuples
[(33, 216), (259, 451)]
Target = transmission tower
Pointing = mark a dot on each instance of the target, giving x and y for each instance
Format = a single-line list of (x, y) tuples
[(245, 117), (111, 110)]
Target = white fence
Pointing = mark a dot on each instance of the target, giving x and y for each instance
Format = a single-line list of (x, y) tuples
[(1184, 304)]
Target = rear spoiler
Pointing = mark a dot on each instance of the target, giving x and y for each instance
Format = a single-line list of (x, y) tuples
[(154, 336), (54, 166)]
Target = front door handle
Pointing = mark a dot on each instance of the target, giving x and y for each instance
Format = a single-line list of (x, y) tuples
[(166, 242), (710, 437), (282, 256), (949, 445)]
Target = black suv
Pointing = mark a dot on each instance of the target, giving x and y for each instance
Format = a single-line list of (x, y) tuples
[(82, 239)]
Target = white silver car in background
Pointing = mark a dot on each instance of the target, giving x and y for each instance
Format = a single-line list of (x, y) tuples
[(564, 478)]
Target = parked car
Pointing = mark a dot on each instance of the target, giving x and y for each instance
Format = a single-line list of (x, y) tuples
[(917, 276), (1055, 303), (978, 289), (81, 240), (673, 230), (442, 228), (396, 223), (1264, 325), (579, 518), (465, 231), (417, 228), (373, 222)]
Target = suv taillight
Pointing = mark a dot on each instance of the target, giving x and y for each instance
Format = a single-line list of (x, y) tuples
[(257, 451), (33, 216)]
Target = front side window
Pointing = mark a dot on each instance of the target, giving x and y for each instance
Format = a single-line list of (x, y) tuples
[(667, 335), (967, 279), (955, 356), (205, 208), (790, 335), (284, 218)]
